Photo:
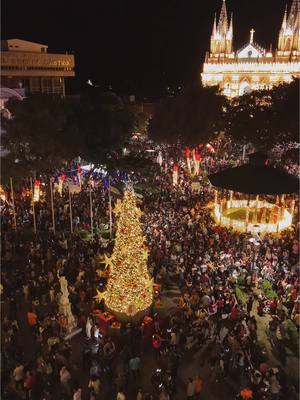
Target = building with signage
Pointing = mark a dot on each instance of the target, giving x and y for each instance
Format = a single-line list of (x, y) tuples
[(28, 66), (252, 67)]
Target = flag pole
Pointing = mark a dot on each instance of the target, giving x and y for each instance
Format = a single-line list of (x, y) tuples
[(110, 213), (52, 205), (13, 203), (91, 211), (33, 208), (70, 207)]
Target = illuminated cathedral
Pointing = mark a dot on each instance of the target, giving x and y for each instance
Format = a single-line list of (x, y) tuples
[(252, 67)]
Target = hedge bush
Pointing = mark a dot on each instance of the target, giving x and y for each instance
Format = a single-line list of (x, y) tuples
[(105, 234), (241, 296), (293, 337), (241, 280), (268, 291), (83, 234)]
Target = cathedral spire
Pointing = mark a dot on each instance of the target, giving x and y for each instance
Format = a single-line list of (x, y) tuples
[(294, 13), (230, 30), (283, 26), (221, 38), (296, 29), (223, 21), (286, 32), (214, 31)]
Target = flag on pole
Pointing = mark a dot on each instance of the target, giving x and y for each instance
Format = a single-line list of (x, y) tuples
[(61, 180), (187, 153), (175, 175), (197, 163), (2, 193), (36, 191), (79, 174)]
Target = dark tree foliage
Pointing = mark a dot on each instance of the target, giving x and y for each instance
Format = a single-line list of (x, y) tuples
[(265, 117), (192, 117), (106, 123), (46, 132), (42, 133)]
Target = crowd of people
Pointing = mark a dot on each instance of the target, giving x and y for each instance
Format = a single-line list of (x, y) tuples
[(208, 307)]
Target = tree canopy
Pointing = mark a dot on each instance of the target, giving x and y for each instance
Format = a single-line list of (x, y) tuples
[(265, 117), (107, 126), (192, 117), (41, 133), (46, 131)]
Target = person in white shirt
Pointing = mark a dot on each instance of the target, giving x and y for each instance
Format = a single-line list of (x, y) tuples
[(120, 395), (18, 375), (65, 378), (94, 384), (173, 341), (77, 394), (96, 331)]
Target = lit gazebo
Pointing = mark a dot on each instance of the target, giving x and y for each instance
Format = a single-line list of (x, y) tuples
[(252, 212)]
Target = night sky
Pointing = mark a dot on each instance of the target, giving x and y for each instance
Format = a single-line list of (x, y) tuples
[(137, 46)]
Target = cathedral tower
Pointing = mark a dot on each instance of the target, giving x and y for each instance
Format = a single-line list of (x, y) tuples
[(289, 35), (222, 35)]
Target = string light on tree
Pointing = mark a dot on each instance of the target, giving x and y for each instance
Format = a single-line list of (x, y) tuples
[(130, 288)]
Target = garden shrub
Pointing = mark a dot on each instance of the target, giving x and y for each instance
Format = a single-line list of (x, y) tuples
[(241, 296), (83, 234), (293, 337), (268, 291)]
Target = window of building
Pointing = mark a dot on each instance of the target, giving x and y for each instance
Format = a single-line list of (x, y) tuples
[(57, 86), (35, 85), (47, 85)]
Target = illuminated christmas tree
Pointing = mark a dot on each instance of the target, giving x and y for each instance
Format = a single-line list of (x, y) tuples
[(130, 287)]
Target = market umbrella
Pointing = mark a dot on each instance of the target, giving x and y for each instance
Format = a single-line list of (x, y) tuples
[(256, 178)]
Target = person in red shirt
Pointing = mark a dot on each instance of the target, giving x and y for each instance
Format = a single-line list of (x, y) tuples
[(198, 383), (28, 384), (31, 318), (156, 344), (273, 306), (220, 303), (235, 312)]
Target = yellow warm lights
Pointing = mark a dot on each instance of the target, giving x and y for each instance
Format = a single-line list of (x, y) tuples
[(284, 220), (252, 67), (230, 76), (129, 288)]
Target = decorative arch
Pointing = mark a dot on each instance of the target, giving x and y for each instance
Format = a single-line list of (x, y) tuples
[(288, 43), (244, 88), (227, 88)]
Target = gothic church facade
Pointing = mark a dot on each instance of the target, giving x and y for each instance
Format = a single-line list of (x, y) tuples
[(252, 67)]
